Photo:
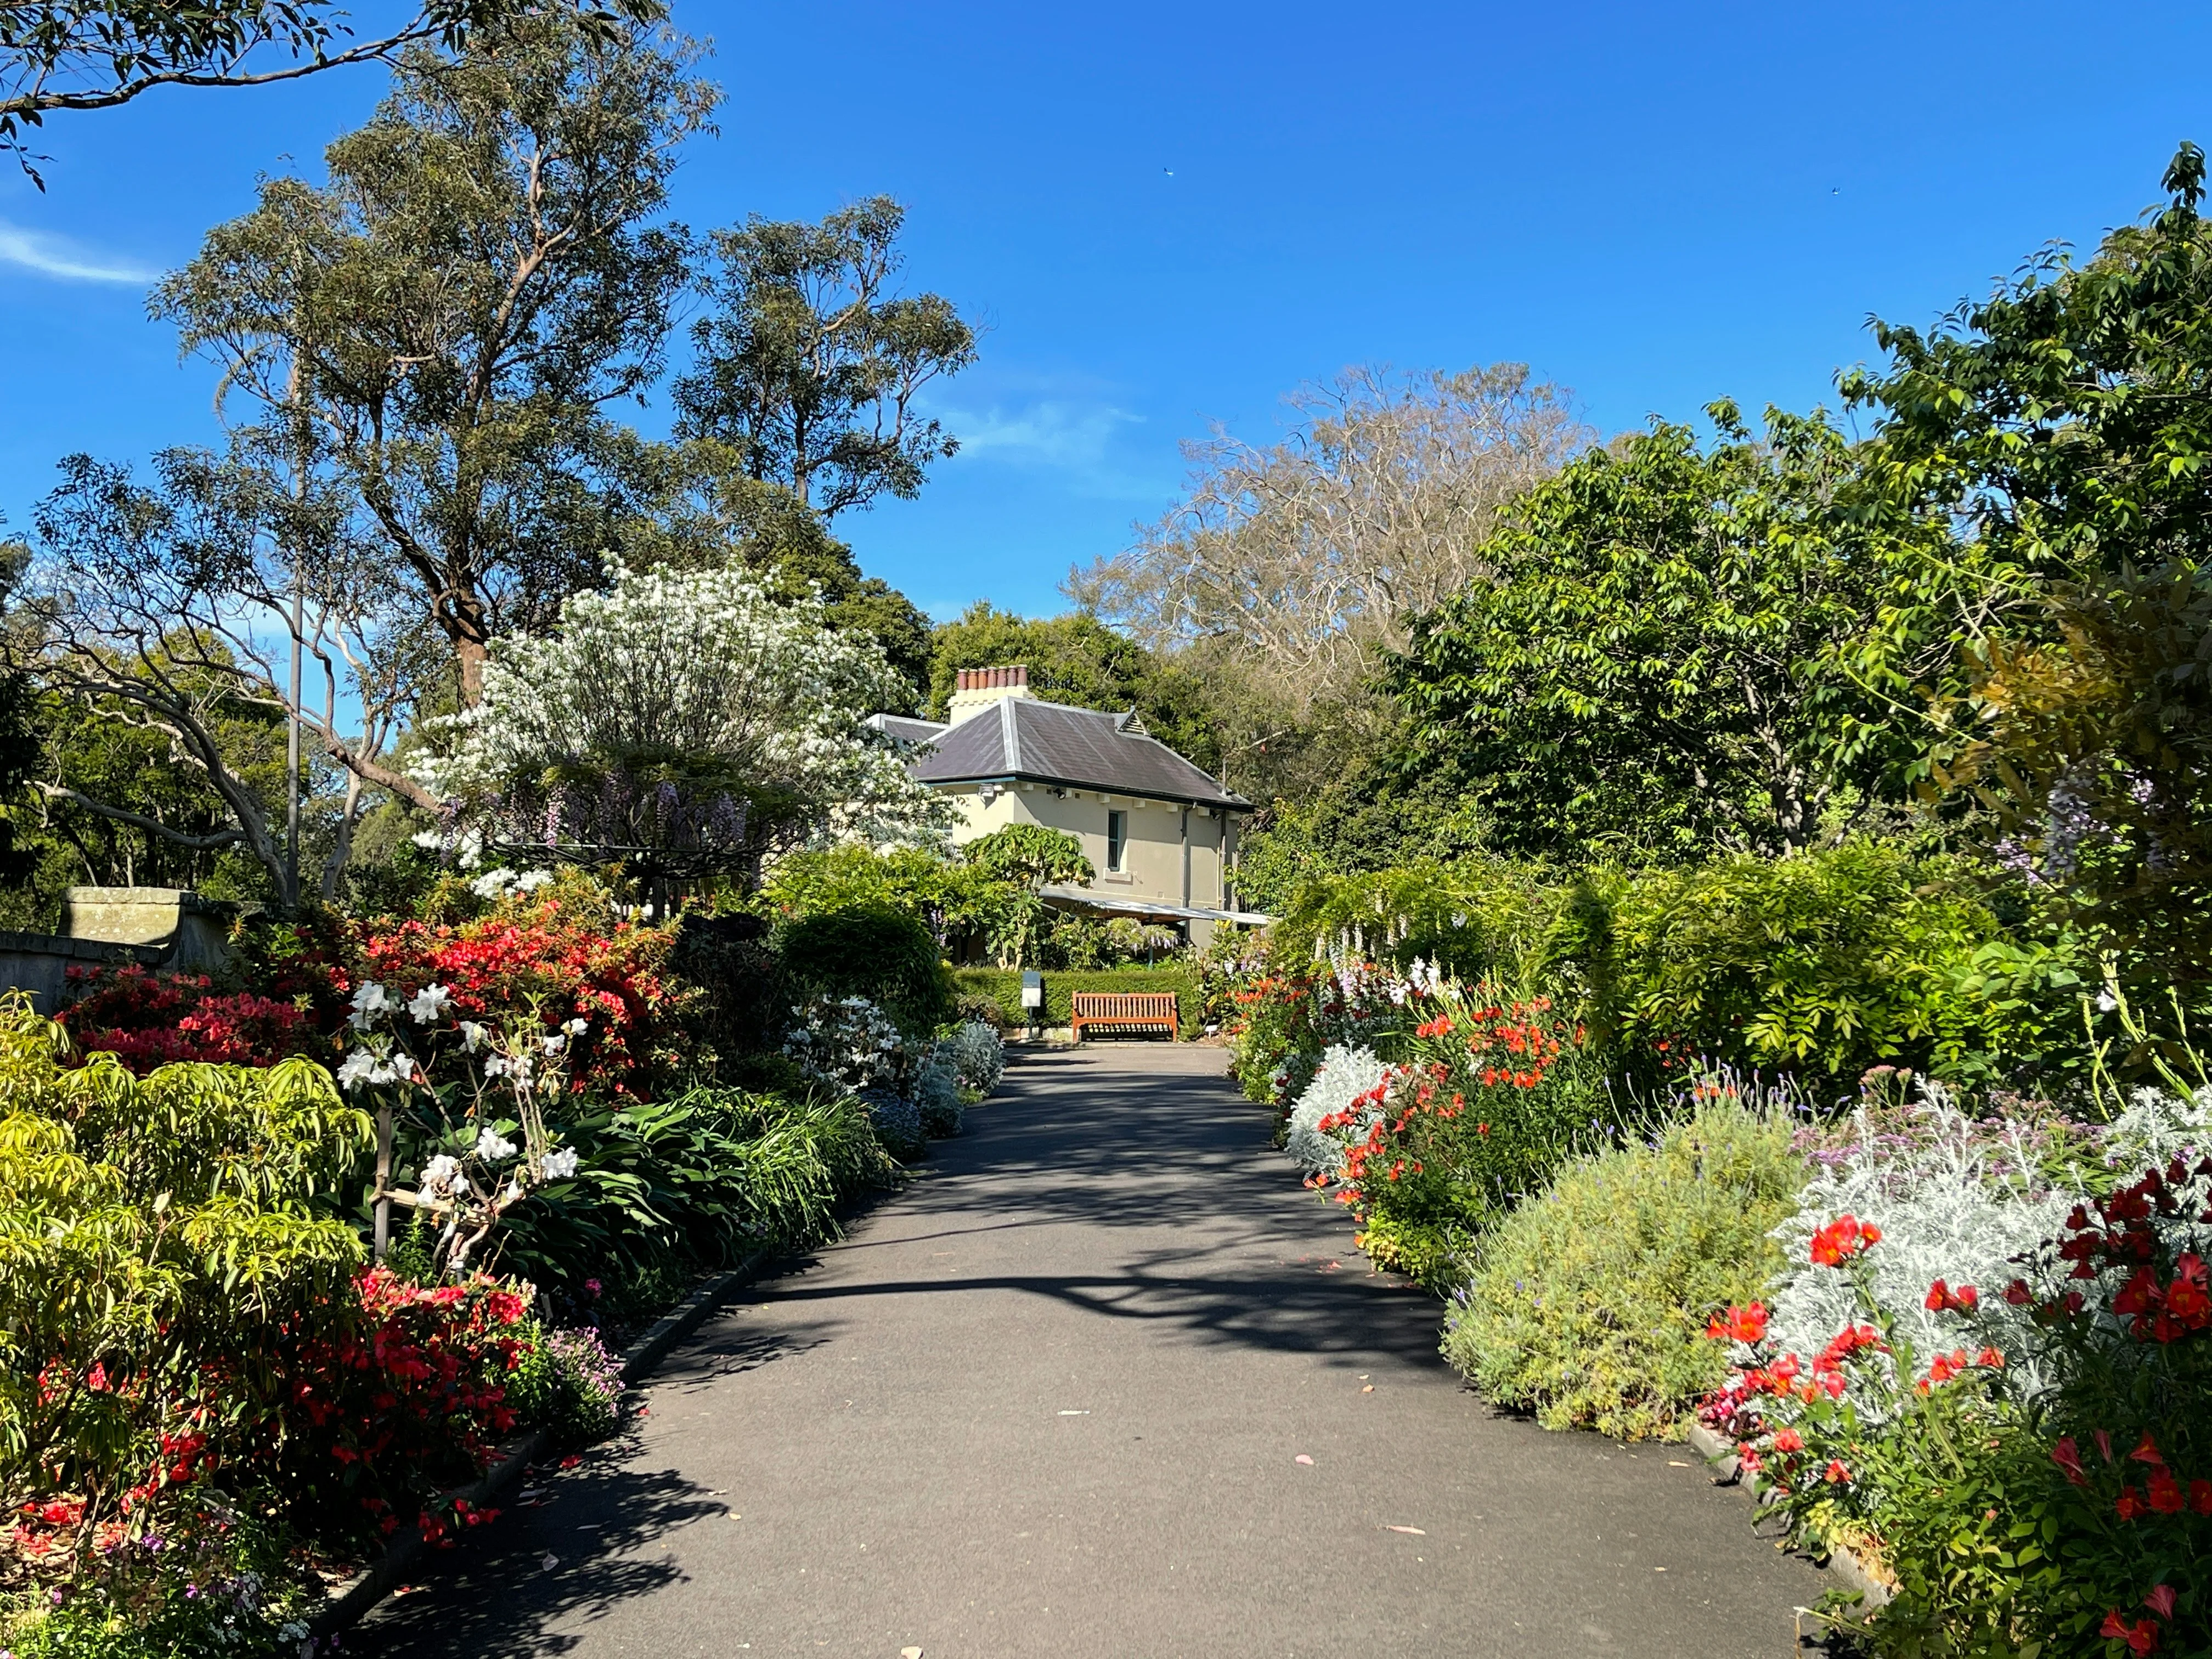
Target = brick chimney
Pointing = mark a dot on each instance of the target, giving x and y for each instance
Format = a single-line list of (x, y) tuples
[(978, 688)]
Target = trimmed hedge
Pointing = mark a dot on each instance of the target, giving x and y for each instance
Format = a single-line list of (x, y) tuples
[(1004, 987)]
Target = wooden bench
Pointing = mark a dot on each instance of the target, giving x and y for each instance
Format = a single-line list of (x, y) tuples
[(1128, 1010)]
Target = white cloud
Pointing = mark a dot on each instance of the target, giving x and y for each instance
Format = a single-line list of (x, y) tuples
[(51, 256), (1050, 434)]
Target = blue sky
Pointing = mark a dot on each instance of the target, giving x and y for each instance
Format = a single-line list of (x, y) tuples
[(1166, 216)]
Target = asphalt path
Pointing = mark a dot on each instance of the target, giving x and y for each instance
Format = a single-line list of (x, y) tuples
[(1103, 1380)]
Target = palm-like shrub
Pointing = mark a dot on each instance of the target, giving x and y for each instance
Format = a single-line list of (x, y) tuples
[(1588, 1304)]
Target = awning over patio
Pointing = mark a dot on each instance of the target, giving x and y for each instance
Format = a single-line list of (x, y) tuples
[(1087, 899)]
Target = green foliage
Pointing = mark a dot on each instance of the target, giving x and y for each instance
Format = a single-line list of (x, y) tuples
[(808, 368), (1679, 649), (1003, 988), (1822, 963), (2067, 417), (869, 951), (1588, 1304), (701, 1179), (154, 1227), (1077, 660), (1029, 853), (1826, 964)]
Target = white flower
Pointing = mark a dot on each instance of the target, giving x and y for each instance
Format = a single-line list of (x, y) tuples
[(369, 1000), (514, 1191), (472, 1036), (555, 1043), (443, 1172), (493, 884), (401, 1068), (492, 1146), (359, 1068), (2106, 1002), (576, 1028), (558, 1165), (530, 881), (429, 1004)]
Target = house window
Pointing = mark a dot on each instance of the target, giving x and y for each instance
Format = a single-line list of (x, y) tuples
[(1117, 842)]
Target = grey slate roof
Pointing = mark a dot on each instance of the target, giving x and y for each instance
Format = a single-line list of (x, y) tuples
[(1022, 738), (905, 729)]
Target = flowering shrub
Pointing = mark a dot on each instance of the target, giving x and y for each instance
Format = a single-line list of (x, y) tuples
[(1347, 1089), (692, 713), (147, 1018), (977, 1055), (2121, 1299), (850, 1043), (400, 1396), (560, 953), (1589, 1304), (1288, 1019), (897, 1121), (568, 1384), (1491, 1100), (1955, 1198)]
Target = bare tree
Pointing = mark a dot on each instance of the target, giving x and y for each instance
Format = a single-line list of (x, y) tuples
[(1297, 559)]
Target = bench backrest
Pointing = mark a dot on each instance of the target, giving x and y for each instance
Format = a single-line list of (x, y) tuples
[(1125, 1005)]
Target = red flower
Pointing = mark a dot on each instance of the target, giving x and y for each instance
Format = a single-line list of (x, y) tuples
[(1788, 1440), (1836, 1472), (2200, 1497), (1842, 1239), (2141, 1636), (2129, 1505), (2067, 1456), (2160, 1601), (2147, 1452), (1739, 1324), (2165, 1492)]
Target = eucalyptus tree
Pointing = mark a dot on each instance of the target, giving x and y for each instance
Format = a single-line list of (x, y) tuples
[(809, 366), (445, 317), (72, 55)]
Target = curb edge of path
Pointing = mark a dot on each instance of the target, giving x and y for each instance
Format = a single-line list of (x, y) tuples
[(1842, 1562), (351, 1602)]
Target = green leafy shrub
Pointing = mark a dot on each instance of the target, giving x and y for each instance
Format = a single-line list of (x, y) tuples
[(1588, 1304), (1826, 963), (158, 1228), (700, 1180), (874, 952)]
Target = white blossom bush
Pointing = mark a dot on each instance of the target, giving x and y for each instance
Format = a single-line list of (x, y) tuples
[(690, 713), (850, 1043), (1345, 1075), (976, 1055)]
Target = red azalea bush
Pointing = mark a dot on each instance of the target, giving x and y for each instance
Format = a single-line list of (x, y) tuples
[(561, 953), (400, 1400), (149, 1017)]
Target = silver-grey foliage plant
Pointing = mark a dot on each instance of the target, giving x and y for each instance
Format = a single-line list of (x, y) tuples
[(1345, 1075)]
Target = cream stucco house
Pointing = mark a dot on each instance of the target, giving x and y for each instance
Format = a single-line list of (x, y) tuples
[(1160, 833)]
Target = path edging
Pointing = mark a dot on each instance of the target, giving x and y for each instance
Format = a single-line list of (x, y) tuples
[(1847, 1566), (351, 1602)]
